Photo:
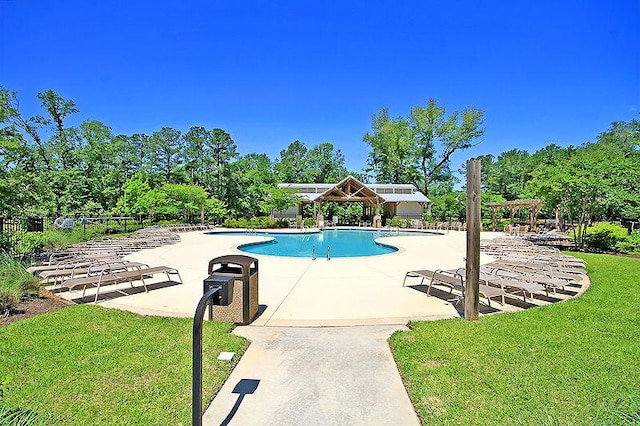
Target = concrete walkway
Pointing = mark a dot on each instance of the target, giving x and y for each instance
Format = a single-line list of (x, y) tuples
[(314, 376)]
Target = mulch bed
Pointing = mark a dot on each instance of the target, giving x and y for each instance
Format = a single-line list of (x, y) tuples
[(47, 302)]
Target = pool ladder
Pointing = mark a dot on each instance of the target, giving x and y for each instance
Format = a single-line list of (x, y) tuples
[(313, 253)]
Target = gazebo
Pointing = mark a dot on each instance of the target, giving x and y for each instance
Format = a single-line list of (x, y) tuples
[(352, 190), (392, 200), (533, 206)]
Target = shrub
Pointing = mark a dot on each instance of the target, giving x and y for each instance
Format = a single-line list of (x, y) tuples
[(395, 222), (605, 235), (630, 245), (256, 222), (260, 222), (31, 242), (236, 223), (15, 284)]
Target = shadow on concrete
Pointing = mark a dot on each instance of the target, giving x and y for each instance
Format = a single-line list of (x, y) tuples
[(261, 309), (115, 294), (456, 299), (243, 387)]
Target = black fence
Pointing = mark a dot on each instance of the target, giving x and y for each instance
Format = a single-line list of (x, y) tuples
[(29, 224), (11, 230)]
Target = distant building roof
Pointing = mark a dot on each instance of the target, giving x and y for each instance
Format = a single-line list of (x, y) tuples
[(387, 192)]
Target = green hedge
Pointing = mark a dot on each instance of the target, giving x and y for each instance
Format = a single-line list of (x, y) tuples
[(630, 245)]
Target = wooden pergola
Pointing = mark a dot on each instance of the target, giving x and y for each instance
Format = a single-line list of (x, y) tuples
[(352, 190), (533, 206)]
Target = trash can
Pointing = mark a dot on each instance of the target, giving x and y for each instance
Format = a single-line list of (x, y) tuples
[(244, 306)]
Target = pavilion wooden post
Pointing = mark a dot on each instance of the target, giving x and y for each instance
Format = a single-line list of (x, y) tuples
[(494, 218), (474, 225)]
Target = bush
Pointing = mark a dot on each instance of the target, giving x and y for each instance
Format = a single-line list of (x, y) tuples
[(236, 223), (605, 235), (256, 222), (630, 245), (395, 222), (16, 284), (259, 222), (31, 243)]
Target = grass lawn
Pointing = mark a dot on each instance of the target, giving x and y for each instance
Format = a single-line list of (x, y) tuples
[(576, 362), (89, 365)]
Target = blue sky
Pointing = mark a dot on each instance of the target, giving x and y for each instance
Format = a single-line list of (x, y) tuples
[(271, 72)]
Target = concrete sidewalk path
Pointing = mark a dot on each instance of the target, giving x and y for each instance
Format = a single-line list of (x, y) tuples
[(314, 376)]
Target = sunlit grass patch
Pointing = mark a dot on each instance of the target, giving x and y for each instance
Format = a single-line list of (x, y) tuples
[(575, 362), (89, 365)]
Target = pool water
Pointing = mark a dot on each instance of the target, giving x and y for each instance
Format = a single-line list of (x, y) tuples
[(339, 243)]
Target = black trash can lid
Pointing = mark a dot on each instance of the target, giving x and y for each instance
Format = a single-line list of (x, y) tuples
[(236, 259)]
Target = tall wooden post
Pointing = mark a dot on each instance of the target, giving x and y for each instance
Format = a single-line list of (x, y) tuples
[(474, 225)]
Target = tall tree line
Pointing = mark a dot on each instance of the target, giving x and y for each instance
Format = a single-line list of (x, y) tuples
[(48, 167)]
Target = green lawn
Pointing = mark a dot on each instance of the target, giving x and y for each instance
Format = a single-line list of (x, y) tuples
[(576, 362), (89, 365)]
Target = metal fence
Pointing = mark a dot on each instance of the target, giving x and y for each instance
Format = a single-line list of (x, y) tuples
[(12, 228), (29, 224)]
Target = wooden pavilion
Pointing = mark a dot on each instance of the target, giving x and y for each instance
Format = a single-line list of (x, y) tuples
[(390, 200)]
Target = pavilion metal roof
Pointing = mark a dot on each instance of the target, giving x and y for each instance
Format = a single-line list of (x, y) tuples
[(384, 192)]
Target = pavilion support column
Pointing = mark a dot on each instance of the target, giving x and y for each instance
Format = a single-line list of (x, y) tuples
[(377, 219), (320, 217), (536, 212), (474, 226), (494, 218)]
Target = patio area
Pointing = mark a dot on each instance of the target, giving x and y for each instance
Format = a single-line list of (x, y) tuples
[(305, 292)]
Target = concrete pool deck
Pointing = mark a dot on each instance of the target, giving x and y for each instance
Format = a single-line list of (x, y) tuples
[(304, 292)]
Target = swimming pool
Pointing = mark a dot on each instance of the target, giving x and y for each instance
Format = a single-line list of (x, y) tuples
[(338, 243)]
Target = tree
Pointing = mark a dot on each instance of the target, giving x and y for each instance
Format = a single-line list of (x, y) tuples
[(292, 167), (418, 149), (449, 206), (134, 151), (215, 209), (249, 181), (103, 161), (207, 155), (509, 174), (223, 151), (391, 159), (166, 152), (325, 164), (598, 181), (187, 201), (131, 202), (57, 107), (278, 200), (196, 153), (53, 159)]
